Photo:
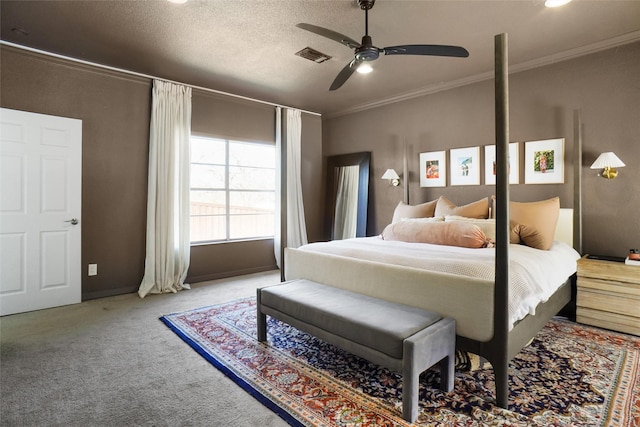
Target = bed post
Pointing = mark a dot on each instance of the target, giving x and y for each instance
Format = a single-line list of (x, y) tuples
[(405, 171), (577, 180), (282, 143), (500, 360)]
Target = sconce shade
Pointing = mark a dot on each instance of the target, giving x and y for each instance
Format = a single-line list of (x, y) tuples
[(390, 174), (608, 162), (608, 159)]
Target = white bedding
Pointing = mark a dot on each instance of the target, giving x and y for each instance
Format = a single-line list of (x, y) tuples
[(534, 274)]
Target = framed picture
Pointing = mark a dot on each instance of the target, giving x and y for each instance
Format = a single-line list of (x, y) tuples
[(433, 169), (544, 162), (465, 166), (490, 164)]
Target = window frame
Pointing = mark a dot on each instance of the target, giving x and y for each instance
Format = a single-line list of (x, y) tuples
[(227, 190)]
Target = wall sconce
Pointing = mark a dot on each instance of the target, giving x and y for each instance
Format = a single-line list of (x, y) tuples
[(392, 176), (608, 161)]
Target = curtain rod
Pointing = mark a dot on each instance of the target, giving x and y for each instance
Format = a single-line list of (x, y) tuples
[(134, 73)]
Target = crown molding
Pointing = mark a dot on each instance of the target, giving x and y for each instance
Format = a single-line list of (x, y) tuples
[(94, 65), (516, 68)]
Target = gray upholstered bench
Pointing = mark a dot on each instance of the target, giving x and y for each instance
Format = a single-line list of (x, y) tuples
[(404, 339)]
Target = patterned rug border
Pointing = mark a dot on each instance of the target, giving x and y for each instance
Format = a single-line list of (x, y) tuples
[(273, 406), (296, 419)]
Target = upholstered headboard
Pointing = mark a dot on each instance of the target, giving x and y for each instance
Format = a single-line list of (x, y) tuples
[(564, 229)]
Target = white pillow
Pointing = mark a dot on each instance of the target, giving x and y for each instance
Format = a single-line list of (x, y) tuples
[(431, 219)]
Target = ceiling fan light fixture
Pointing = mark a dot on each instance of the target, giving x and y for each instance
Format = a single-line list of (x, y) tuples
[(366, 51), (364, 68), (555, 3), (177, 1)]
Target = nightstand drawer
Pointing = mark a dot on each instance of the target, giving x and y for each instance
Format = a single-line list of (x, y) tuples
[(613, 321), (623, 289), (609, 271), (627, 305)]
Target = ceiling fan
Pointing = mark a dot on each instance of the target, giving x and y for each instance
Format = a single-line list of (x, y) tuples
[(366, 51)]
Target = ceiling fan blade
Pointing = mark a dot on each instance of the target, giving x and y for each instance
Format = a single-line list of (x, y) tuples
[(427, 49), (330, 34), (344, 75)]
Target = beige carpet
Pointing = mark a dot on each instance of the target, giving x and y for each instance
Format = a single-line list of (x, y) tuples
[(111, 362)]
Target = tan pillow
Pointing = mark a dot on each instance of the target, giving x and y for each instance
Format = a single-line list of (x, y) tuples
[(424, 210), (477, 209), (438, 233), (488, 226), (534, 223)]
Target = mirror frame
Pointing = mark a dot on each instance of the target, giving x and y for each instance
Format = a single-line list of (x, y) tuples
[(363, 160)]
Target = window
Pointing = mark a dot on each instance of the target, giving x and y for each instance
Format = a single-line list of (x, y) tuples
[(232, 190)]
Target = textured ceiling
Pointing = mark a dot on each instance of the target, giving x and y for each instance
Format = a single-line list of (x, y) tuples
[(248, 47)]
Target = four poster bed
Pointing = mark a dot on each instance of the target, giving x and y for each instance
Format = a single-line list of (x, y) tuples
[(486, 291), (456, 282)]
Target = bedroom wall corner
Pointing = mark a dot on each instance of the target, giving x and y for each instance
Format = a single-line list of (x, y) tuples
[(603, 85)]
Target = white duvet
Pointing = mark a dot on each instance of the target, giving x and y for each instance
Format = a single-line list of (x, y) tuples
[(534, 274)]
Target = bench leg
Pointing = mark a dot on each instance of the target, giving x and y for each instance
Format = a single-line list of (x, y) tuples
[(410, 392), (421, 351), (447, 373), (411, 384), (262, 320)]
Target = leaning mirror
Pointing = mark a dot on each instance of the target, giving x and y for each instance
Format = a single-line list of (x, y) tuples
[(347, 195)]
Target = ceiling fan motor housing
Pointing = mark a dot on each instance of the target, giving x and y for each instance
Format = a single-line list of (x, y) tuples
[(367, 52), (366, 4)]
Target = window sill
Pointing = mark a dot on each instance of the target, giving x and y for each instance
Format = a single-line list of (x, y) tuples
[(223, 242)]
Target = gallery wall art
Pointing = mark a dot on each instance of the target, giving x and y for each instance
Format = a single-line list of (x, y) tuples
[(544, 161), (433, 169), (490, 164), (465, 166)]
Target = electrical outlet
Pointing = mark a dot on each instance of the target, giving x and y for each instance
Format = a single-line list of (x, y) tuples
[(93, 269)]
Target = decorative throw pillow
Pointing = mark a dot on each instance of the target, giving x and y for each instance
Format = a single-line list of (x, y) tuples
[(438, 233), (488, 226), (424, 210), (477, 209), (533, 223)]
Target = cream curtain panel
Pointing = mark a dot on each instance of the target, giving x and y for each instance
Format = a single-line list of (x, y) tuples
[(168, 246), (296, 226)]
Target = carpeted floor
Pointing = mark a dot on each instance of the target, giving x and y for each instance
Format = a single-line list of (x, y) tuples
[(111, 362), (570, 375)]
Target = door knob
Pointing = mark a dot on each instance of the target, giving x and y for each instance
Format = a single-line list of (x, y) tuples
[(73, 221)]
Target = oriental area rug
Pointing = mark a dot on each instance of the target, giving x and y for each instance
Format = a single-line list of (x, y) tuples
[(570, 375)]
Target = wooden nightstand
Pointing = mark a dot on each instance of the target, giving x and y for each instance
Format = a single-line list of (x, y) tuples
[(608, 295)]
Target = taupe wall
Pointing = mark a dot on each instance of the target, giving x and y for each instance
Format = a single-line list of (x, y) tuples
[(604, 86), (312, 176), (115, 110)]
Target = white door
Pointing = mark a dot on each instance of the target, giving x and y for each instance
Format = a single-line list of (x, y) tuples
[(40, 202)]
